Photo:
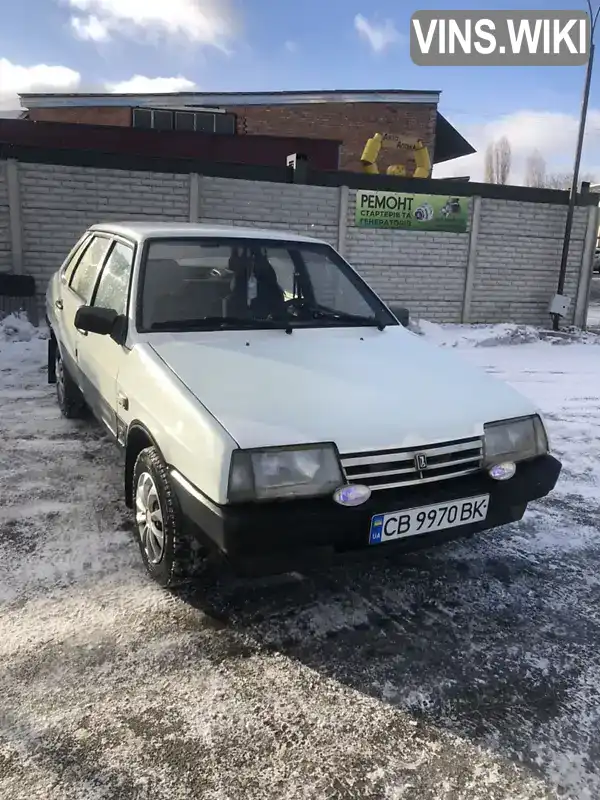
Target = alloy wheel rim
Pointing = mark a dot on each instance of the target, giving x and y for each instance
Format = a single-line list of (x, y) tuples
[(149, 518)]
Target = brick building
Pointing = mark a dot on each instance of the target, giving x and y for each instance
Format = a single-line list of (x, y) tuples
[(350, 117)]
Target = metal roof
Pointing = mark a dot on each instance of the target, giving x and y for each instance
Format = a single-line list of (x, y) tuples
[(172, 99)]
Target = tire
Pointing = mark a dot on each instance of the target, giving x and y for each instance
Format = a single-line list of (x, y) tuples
[(166, 551), (70, 400)]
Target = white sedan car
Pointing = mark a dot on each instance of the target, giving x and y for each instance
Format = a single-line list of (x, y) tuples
[(270, 405)]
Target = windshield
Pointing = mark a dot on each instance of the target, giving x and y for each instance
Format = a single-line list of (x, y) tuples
[(208, 284)]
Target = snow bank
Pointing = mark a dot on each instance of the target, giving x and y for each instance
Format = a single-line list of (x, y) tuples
[(22, 350), (447, 335), (17, 328)]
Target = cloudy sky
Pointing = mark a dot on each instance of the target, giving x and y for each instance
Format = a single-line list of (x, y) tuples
[(253, 45)]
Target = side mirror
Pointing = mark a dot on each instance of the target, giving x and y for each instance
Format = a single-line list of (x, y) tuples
[(96, 320), (401, 314)]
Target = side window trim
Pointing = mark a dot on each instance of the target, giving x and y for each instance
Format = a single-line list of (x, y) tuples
[(116, 240), (90, 244), (134, 250), (109, 251), (74, 257)]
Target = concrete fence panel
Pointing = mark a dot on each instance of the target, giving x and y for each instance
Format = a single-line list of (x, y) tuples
[(504, 268), (58, 203), (519, 249), (309, 210)]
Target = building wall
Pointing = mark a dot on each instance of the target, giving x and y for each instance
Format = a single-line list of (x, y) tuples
[(98, 140), (83, 116), (515, 250), (351, 123)]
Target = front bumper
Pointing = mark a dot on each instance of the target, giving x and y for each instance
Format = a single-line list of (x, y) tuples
[(289, 528)]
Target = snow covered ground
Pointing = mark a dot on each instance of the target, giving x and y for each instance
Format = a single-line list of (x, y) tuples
[(470, 672)]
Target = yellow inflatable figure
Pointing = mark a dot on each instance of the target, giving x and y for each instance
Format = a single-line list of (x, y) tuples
[(390, 141)]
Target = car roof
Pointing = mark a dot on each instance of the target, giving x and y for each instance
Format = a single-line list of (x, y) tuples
[(140, 231)]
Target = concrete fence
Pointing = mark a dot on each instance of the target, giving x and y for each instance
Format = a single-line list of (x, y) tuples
[(504, 268)]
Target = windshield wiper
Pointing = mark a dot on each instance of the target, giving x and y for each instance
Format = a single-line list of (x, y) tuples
[(323, 312), (221, 323)]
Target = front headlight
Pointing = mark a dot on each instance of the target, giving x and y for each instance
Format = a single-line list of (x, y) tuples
[(284, 473), (514, 440)]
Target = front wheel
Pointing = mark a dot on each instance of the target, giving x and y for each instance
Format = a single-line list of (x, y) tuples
[(166, 552)]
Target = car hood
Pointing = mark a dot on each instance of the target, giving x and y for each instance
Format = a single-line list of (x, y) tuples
[(361, 388)]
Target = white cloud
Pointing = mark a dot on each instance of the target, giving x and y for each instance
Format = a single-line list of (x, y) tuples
[(140, 84), (210, 22), (90, 28), (553, 133), (37, 78), (378, 35)]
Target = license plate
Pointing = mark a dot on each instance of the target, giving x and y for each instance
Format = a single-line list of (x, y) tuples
[(424, 519)]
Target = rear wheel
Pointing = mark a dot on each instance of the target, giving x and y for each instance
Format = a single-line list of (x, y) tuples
[(70, 399), (166, 551)]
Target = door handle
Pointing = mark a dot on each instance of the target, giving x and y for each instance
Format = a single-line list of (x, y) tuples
[(59, 304)]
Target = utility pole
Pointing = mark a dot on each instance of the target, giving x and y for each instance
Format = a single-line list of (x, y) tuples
[(573, 195)]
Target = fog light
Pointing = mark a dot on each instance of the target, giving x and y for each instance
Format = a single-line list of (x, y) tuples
[(352, 495), (502, 472)]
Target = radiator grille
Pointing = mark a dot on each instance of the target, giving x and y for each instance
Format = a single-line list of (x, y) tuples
[(388, 469)]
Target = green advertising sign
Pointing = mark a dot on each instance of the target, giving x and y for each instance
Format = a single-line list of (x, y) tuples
[(417, 212)]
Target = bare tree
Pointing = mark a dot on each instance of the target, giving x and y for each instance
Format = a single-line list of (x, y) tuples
[(536, 174), (563, 180), (502, 159), (498, 156), (535, 169)]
